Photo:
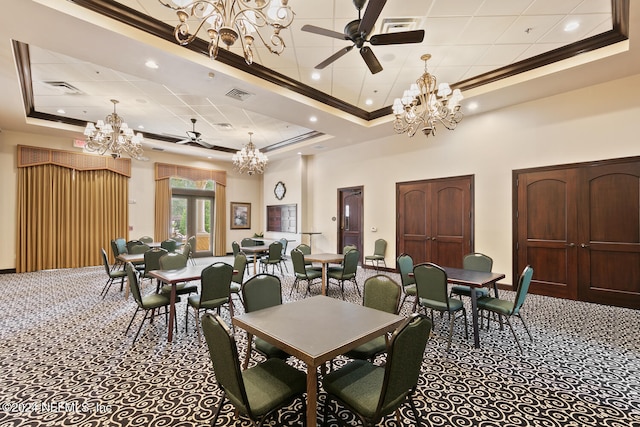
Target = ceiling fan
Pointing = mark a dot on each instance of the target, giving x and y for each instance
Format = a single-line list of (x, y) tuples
[(357, 32), (194, 137)]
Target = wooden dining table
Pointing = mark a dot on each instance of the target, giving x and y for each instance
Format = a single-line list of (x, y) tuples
[(315, 330), (255, 250), (325, 259)]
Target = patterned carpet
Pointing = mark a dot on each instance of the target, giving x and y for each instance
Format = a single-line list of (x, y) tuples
[(64, 360)]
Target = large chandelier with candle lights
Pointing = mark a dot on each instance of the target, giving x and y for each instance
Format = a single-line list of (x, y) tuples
[(250, 160), (421, 108), (227, 21), (114, 135)]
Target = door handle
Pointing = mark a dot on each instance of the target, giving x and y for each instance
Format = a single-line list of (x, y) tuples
[(433, 238), (584, 245)]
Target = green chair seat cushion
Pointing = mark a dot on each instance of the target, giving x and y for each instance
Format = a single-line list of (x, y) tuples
[(154, 301), (181, 289), (358, 384), (271, 384), (466, 291), (269, 350), (374, 257), (311, 274), (194, 301), (454, 304), (410, 290), (117, 274), (369, 349), (496, 305), (337, 274)]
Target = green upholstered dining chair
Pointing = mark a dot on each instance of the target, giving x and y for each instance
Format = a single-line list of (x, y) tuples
[(235, 246), (382, 293), (247, 241), (258, 392), (215, 288), (132, 243), (346, 272), (175, 261), (146, 239), (139, 249), (273, 258), (169, 244), (510, 308), (192, 242), (260, 292), (113, 275), (306, 250), (118, 246), (432, 293), (405, 268), (373, 392), (149, 303), (187, 251), (239, 265), (349, 248), (283, 258), (477, 262), (302, 272), (152, 262), (379, 250)]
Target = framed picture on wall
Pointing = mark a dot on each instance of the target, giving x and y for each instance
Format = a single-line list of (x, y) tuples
[(240, 215)]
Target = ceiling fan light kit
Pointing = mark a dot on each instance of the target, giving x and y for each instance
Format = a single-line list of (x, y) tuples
[(425, 104), (357, 31), (230, 20)]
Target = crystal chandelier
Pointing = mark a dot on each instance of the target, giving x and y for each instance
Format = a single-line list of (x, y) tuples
[(421, 108), (249, 160), (228, 20), (113, 135)]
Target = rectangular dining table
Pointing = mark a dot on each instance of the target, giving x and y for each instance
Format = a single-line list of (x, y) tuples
[(315, 330), (474, 279), (325, 260), (255, 250)]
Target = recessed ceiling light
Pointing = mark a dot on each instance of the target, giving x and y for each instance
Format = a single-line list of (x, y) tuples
[(151, 64), (369, 101), (315, 75), (571, 26), (313, 119), (61, 111)]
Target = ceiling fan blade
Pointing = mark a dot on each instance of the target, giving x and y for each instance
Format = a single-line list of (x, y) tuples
[(398, 38), (203, 143), (323, 32), (374, 8), (184, 141), (333, 57), (371, 60)]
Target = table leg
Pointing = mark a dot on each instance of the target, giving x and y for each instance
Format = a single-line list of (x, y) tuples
[(255, 262), (324, 278), (312, 396), (172, 312), (474, 316)]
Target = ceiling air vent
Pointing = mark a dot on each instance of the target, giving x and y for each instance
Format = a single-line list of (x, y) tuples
[(238, 94), (223, 126), (157, 149), (64, 87), (394, 25)]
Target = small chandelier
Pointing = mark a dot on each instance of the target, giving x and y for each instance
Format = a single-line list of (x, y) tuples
[(420, 107), (249, 160), (229, 20), (113, 135)]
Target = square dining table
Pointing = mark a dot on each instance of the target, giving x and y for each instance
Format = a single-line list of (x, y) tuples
[(315, 330), (325, 260), (255, 250)]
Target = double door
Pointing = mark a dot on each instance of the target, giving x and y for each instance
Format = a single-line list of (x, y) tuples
[(579, 228), (435, 220)]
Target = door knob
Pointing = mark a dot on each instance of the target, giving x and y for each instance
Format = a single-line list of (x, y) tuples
[(571, 245), (584, 245)]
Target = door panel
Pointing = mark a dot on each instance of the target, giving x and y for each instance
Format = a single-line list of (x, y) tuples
[(413, 217), (350, 218)]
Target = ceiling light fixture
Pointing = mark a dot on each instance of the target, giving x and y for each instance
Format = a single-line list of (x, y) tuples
[(114, 135), (421, 108), (229, 20), (250, 160)]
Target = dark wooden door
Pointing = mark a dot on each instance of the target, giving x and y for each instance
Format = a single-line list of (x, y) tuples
[(435, 220), (579, 227), (350, 218)]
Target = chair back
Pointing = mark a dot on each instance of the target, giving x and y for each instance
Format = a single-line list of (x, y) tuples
[(261, 291), (146, 239), (169, 244), (132, 279), (193, 242), (139, 249), (172, 261), (404, 359), (405, 266), (216, 281), (236, 248), (239, 264), (523, 288), (247, 241), (284, 242), (380, 247), (121, 245), (349, 248), (105, 261), (186, 249), (382, 293), (304, 248), (297, 259), (350, 264), (431, 282), (223, 352), (152, 259), (275, 251), (132, 243), (477, 262)]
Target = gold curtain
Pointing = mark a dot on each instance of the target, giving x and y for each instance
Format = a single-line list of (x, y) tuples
[(220, 235), (162, 223), (66, 215)]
